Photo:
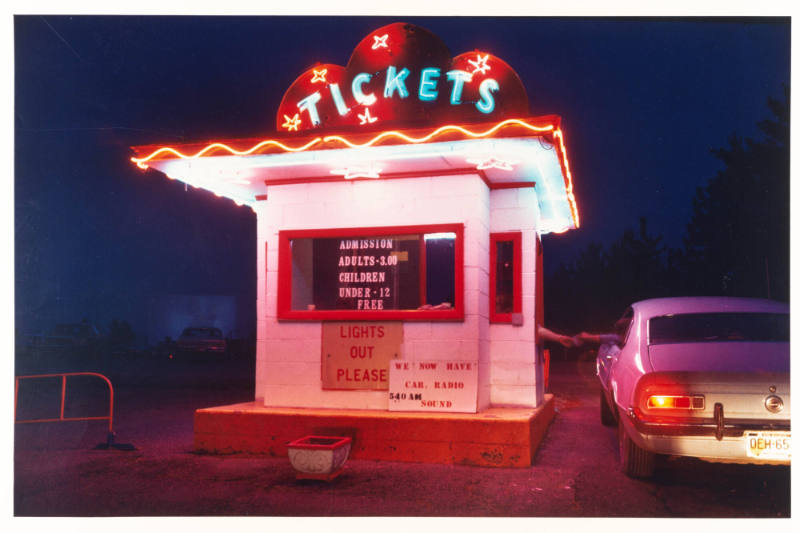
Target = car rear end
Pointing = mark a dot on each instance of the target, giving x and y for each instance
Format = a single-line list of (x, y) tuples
[(724, 417), (202, 340), (202, 345), (720, 388)]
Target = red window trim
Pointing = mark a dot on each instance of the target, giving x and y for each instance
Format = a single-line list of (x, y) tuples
[(285, 312), (516, 238)]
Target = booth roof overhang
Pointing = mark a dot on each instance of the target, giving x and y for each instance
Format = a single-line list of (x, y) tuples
[(528, 152)]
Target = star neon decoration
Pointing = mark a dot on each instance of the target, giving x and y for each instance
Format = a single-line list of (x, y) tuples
[(380, 42), (292, 123), (492, 162), (350, 173), (319, 76), (366, 118), (480, 64)]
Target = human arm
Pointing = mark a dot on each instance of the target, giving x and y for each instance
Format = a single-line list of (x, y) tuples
[(599, 338), (546, 335)]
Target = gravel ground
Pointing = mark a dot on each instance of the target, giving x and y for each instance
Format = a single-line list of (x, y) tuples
[(59, 473)]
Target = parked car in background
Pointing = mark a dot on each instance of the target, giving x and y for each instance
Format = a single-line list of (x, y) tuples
[(201, 339), (69, 338), (701, 377)]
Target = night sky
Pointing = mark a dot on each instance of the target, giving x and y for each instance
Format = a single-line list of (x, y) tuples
[(642, 101)]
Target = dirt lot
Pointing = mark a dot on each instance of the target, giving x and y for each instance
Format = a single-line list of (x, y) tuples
[(59, 473)]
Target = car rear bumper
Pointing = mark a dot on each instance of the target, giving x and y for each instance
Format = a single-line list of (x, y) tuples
[(714, 440), (703, 428), (209, 348)]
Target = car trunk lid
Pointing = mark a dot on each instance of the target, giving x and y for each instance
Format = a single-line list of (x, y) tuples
[(753, 371), (714, 356)]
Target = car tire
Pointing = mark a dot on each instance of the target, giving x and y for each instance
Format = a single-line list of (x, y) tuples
[(606, 414), (634, 461)]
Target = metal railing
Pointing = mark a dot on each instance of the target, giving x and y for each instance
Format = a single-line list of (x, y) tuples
[(64, 375)]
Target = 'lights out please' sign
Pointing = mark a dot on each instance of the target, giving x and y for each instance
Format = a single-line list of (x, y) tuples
[(356, 355)]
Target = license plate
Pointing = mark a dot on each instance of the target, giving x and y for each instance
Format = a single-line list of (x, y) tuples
[(769, 444)]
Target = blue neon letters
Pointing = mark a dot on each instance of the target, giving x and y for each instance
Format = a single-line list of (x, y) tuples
[(358, 94), (487, 87), (341, 107), (395, 85), (396, 80), (427, 84), (309, 103), (458, 77)]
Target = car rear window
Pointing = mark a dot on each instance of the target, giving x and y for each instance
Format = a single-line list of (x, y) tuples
[(716, 327)]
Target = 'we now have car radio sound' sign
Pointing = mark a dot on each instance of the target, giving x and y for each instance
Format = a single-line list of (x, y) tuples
[(434, 386)]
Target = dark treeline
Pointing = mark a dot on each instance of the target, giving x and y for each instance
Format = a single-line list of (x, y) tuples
[(736, 241)]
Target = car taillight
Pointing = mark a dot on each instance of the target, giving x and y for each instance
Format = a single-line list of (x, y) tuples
[(675, 402)]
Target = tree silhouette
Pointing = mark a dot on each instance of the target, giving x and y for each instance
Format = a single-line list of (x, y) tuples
[(737, 240), (592, 292), (120, 333), (636, 267)]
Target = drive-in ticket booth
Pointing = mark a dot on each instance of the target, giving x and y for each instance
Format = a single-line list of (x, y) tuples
[(400, 205)]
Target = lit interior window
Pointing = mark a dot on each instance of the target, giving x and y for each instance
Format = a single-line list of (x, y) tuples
[(379, 272)]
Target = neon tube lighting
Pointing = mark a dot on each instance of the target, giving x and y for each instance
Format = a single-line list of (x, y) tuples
[(141, 162), (380, 42), (492, 162), (556, 132), (439, 131), (366, 118), (480, 64), (198, 185), (292, 122), (350, 173), (319, 76)]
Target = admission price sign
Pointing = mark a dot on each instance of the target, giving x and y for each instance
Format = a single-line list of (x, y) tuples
[(367, 274), (433, 386), (356, 355)]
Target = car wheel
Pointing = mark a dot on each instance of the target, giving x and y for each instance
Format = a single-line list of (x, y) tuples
[(606, 414), (635, 461)]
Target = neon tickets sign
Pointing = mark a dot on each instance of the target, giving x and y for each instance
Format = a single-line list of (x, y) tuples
[(402, 74)]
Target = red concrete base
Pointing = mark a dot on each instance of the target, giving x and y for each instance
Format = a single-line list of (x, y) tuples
[(499, 436)]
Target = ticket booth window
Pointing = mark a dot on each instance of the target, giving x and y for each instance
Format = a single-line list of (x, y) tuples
[(505, 283), (406, 273)]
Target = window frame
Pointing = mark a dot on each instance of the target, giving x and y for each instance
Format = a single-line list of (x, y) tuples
[(515, 237), (284, 300)]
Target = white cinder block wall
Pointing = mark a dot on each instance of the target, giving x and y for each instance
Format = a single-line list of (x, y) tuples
[(288, 352), (513, 348)]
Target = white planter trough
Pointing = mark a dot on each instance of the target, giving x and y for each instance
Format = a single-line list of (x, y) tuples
[(318, 457)]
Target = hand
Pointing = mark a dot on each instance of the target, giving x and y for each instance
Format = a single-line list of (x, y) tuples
[(566, 342)]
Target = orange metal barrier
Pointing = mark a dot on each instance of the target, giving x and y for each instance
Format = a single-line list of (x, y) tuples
[(61, 418)]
